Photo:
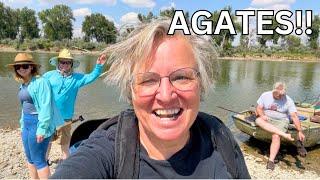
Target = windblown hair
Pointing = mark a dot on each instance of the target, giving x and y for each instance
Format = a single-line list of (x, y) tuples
[(34, 72), (127, 56), (278, 85)]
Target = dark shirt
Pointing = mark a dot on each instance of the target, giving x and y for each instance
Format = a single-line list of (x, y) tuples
[(95, 159)]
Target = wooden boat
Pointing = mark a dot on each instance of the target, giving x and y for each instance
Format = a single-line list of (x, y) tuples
[(244, 121)]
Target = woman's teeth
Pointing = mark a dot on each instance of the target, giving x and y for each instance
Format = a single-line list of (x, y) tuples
[(167, 113)]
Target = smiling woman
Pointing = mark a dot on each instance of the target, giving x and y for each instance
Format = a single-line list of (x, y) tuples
[(163, 77), (37, 118)]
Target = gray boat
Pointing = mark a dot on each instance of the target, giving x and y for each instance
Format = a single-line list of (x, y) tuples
[(244, 121)]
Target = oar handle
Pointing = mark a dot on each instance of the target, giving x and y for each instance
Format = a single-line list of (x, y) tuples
[(80, 118), (228, 110)]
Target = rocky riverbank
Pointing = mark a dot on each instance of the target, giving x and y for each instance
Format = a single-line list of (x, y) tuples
[(12, 161)]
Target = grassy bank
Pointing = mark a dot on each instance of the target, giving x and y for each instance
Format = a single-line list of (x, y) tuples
[(44, 45), (300, 53)]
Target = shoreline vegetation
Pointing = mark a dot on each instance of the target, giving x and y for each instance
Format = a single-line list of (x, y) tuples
[(12, 161), (250, 56)]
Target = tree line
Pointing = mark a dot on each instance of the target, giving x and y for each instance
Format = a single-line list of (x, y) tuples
[(21, 25), (56, 24)]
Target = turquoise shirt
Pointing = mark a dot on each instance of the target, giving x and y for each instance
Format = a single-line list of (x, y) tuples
[(65, 89), (48, 115)]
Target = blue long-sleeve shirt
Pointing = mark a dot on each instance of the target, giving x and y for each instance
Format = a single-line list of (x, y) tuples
[(48, 115), (65, 89)]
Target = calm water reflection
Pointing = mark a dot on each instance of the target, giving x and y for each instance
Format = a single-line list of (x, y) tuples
[(239, 85)]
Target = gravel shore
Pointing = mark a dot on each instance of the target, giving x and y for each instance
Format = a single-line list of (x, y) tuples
[(12, 161)]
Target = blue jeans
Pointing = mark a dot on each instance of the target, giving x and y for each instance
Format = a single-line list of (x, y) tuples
[(35, 152)]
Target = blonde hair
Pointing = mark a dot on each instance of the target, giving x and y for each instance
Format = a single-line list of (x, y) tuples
[(279, 84), (34, 72), (127, 55)]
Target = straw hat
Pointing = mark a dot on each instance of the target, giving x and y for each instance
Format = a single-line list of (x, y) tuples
[(23, 58), (64, 54)]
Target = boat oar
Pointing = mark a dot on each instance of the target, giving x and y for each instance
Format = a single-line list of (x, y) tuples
[(80, 118), (228, 110), (103, 74)]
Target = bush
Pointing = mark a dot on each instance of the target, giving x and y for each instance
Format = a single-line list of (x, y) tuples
[(317, 53), (89, 46), (6, 41), (268, 52)]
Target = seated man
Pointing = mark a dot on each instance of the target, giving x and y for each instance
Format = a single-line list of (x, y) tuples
[(273, 110)]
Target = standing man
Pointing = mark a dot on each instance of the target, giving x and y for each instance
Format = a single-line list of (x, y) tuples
[(65, 86), (274, 110)]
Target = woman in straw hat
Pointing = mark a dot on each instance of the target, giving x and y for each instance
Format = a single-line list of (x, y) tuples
[(65, 86), (38, 113)]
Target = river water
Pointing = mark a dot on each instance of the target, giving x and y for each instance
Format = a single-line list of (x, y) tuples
[(238, 86)]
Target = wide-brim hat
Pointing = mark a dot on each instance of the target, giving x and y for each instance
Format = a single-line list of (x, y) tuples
[(64, 54), (23, 58)]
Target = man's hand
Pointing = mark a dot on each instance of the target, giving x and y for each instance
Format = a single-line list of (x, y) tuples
[(260, 113), (296, 122), (102, 59), (301, 136), (39, 138), (264, 117)]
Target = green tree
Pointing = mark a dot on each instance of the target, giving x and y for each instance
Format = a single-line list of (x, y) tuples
[(2, 20), (28, 24), (292, 42), (57, 22), (262, 39), (96, 26), (169, 13), (9, 20), (314, 36), (225, 39), (146, 19)]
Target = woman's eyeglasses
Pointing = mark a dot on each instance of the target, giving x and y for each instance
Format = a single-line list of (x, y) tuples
[(65, 62), (146, 84), (23, 66)]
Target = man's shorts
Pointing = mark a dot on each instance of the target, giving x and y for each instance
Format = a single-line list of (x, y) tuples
[(281, 124), (279, 120), (63, 135)]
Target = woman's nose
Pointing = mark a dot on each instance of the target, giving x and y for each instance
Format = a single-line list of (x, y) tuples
[(166, 91)]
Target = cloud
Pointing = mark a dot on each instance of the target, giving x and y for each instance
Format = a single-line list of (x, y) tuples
[(130, 18), (17, 3), (172, 5), (110, 18), (140, 3), (77, 32), (264, 3), (278, 7), (81, 12), (54, 2), (106, 2), (272, 4)]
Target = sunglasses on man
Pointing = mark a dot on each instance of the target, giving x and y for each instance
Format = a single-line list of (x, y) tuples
[(65, 62), (23, 66)]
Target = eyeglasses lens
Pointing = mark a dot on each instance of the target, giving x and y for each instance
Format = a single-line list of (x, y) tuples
[(146, 84)]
